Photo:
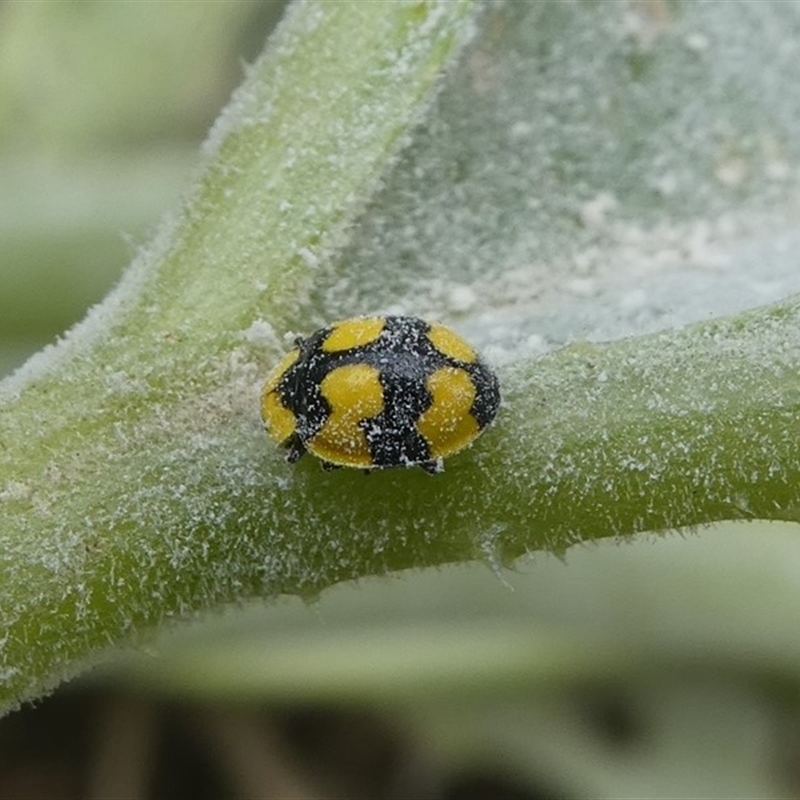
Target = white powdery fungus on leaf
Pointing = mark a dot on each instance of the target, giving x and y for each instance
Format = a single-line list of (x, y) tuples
[(543, 164)]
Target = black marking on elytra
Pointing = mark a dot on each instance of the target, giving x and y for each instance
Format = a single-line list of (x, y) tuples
[(392, 435), (487, 393), (404, 358), (303, 396)]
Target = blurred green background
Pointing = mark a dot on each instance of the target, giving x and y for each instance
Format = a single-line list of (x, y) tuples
[(104, 106)]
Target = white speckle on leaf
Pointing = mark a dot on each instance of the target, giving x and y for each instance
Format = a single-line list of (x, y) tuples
[(667, 184), (521, 129), (582, 287), (633, 300), (15, 490), (645, 23), (308, 256), (594, 212), (732, 172), (262, 333), (462, 298), (696, 42), (778, 170)]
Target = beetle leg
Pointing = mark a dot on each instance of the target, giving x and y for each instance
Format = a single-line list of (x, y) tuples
[(433, 467), (295, 447)]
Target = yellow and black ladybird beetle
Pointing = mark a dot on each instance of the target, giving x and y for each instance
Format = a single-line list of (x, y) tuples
[(374, 392)]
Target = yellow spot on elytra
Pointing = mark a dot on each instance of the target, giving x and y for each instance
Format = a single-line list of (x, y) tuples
[(354, 393), (451, 344), (353, 333), (274, 378), (279, 420), (447, 425)]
